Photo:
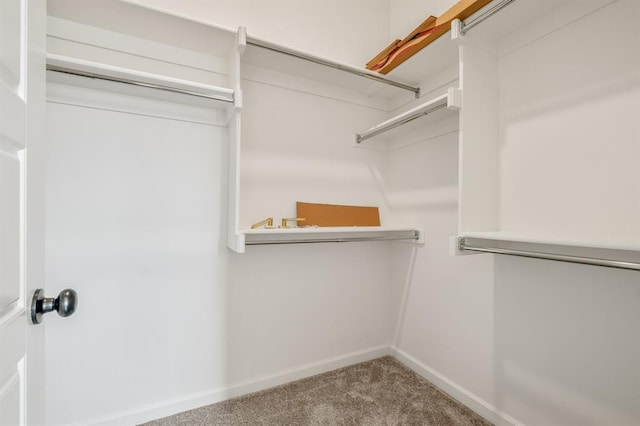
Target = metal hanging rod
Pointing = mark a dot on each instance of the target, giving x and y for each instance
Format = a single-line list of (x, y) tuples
[(397, 123), (415, 237), (462, 245), (452, 100), (224, 97), (321, 61), (466, 26)]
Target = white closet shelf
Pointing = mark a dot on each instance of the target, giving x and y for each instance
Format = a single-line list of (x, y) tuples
[(449, 102), (96, 70), (219, 39), (276, 57), (515, 194), (331, 234), (506, 18), (615, 255)]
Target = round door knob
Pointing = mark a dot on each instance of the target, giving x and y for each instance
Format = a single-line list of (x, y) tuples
[(65, 304)]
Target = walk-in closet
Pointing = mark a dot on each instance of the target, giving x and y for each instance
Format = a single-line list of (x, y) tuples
[(170, 144)]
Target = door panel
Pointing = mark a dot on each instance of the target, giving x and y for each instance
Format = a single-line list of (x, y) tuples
[(10, 400), (12, 374), (21, 192), (10, 178), (12, 143), (11, 42), (13, 112), (12, 74)]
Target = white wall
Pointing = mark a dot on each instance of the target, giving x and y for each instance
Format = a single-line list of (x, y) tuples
[(566, 347), (299, 147), (166, 311), (541, 342), (406, 15), (133, 225), (169, 318), (446, 319), (352, 31), (292, 306), (534, 341)]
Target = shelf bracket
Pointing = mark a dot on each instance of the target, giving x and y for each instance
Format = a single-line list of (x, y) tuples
[(454, 99), (456, 30), (241, 40)]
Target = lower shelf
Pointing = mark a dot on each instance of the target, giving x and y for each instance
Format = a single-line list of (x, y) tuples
[(620, 255), (330, 235), (630, 244)]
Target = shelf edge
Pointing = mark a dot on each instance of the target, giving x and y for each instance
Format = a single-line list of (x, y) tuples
[(615, 262), (90, 69), (332, 235), (451, 100)]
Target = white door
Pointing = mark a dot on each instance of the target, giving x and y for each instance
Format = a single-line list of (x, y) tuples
[(22, 90)]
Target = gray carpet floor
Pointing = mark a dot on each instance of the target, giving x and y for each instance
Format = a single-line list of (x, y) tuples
[(378, 392)]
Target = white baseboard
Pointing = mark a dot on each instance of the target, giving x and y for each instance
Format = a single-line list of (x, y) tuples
[(475, 403), (308, 370), (195, 400)]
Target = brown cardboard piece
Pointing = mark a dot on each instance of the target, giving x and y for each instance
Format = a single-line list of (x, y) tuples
[(337, 215)]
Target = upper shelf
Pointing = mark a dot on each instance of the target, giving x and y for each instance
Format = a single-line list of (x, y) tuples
[(276, 57), (161, 28), (519, 22), (185, 31), (449, 103), (273, 56), (93, 70)]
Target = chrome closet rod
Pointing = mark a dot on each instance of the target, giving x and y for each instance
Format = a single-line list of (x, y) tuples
[(332, 240), (552, 256), (365, 73), (352, 70), (369, 134), (65, 70), (466, 26)]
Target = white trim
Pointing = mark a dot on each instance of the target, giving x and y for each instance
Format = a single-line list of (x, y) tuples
[(69, 32), (11, 383), (10, 312), (199, 399), (464, 396), (171, 12), (83, 42)]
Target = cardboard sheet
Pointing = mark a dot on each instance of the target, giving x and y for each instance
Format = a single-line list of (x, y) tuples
[(337, 215)]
